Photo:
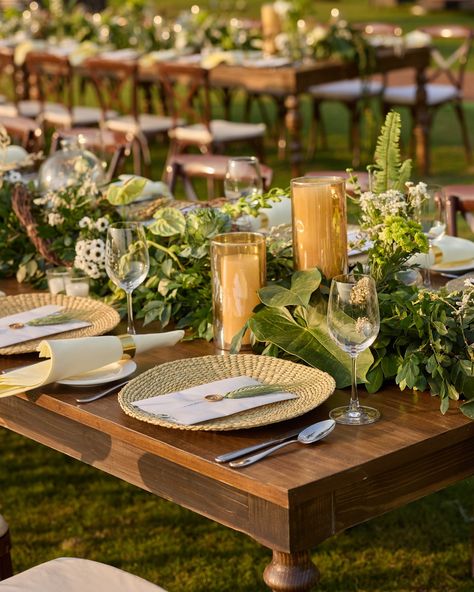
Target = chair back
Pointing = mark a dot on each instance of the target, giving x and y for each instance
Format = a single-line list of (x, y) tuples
[(450, 68), (14, 74), (26, 132), (115, 84), (52, 77), (187, 92)]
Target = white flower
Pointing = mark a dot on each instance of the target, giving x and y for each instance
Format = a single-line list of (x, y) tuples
[(13, 177), (85, 222), (102, 224), (55, 219)]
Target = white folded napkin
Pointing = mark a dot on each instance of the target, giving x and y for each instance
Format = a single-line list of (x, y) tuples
[(448, 251), (189, 406), (73, 357), (9, 336), (417, 39), (126, 54)]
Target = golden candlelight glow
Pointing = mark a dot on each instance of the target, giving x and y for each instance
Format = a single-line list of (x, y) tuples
[(319, 224), (238, 267)]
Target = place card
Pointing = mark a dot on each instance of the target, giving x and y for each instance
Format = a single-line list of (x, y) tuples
[(10, 335), (203, 402)]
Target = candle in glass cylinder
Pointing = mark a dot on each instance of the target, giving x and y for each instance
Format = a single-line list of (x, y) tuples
[(318, 207), (238, 272), (271, 27)]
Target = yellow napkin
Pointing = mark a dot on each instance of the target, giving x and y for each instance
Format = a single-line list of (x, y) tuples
[(87, 49), (72, 357), (447, 252), (213, 59)]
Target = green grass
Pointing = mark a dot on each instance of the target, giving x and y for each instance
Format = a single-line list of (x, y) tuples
[(57, 506)]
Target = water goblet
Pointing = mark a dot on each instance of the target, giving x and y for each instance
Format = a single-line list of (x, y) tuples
[(353, 323), (126, 260), (432, 218), (243, 179)]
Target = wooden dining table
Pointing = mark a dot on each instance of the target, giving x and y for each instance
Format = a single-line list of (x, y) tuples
[(289, 502), (293, 80)]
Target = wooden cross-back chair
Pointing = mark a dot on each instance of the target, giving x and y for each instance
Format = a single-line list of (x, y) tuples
[(52, 77), (116, 84), (16, 79), (187, 89), (444, 83), (25, 132), (353, 94)]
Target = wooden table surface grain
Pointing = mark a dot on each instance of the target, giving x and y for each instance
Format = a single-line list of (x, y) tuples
[(289, 502)]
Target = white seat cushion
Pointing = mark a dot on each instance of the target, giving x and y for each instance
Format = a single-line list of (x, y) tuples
[(148, 124), (81, 116), (436, 94), (221, 131), (30, 109), (69, 574), (346, 90)]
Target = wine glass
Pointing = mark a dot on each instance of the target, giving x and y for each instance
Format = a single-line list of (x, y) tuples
[(433, 222), (126, 260), (353, 322), (242, 178)]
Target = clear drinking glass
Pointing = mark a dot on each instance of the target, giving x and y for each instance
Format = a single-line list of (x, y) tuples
[(242, 178), (353, 322), (126, 260), (433, 221)]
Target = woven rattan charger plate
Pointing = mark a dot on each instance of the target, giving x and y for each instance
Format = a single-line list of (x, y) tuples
[(102, 316), (312, 386)]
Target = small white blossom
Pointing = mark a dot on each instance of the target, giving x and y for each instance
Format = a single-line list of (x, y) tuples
[(85, 222), (55, 219), (102, 224)]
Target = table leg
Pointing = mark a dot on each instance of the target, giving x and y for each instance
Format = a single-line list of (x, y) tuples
[(293, 125), (291, 572)]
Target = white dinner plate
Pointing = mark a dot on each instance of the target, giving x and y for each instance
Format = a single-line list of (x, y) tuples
[(109, 373), (466, 266)]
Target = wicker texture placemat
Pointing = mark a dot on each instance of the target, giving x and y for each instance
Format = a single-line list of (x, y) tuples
[(102, 316), (312, 386)]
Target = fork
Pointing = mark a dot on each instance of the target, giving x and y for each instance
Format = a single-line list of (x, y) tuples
[(106, 391)]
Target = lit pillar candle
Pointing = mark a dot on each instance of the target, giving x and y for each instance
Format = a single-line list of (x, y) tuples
[(319, 224), (238, 272)]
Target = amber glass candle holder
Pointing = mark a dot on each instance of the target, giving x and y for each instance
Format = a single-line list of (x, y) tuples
[(238, 266), (318, 206)]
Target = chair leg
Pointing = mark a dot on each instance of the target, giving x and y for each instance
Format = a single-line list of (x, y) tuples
[(465, 133), (6, 568), (451, 214), (354, 140)]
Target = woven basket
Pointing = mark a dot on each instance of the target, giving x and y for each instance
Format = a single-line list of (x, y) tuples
[(312, 386), (103, 318)]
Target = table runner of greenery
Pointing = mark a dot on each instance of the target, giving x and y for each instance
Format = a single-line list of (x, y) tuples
[(425, 338)]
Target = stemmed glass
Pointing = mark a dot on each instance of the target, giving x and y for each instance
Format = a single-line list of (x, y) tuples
[(126, 260), (242, 178), (432, 218), (353, 322)]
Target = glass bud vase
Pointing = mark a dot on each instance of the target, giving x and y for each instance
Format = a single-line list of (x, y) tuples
[(318, 206), (69, 166)]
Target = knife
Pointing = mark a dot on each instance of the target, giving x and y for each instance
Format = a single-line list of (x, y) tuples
[(222, 458)]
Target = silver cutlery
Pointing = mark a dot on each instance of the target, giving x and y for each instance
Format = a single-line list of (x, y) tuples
[(223, 458), (101, 394), (309, 435)]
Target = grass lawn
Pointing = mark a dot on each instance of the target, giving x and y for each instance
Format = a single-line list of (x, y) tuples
[(57, 506)]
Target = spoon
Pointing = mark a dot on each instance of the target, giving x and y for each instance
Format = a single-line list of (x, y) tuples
[(311, 434)]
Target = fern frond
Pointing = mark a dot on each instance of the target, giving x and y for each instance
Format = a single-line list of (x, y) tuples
[(404, 175), (387, 153)]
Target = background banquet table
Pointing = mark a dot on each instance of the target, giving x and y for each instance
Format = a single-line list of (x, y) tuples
[(291, 501)]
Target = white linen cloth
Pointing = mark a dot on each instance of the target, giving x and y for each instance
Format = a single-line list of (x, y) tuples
[(72, 357), (189, 406), (10, 336)]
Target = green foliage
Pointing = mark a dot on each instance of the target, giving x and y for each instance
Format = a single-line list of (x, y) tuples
[(389, 172), (291, 323), (425, 344)]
